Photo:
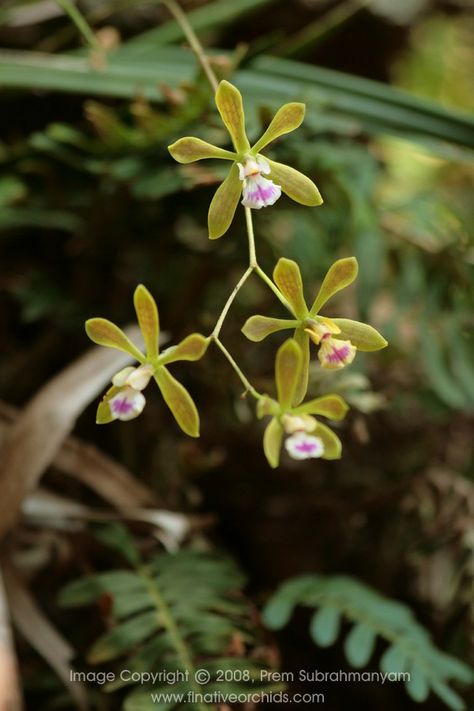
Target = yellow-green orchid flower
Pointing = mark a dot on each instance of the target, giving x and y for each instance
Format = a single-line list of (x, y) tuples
[(249, 167), (305, 437), (125, 400), (338, 339)]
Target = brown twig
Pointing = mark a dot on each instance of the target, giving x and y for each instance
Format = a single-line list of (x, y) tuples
[(10, 694)]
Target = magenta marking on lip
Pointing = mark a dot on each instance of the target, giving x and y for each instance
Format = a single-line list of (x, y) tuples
[(338, 355), (122, 407), (261, 194), (306, 447)]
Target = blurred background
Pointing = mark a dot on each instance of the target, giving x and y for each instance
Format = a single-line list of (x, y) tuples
[(92, 204)]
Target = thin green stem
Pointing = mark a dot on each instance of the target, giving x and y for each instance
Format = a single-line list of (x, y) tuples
[(80, 21), (255, 265), (228, 303), (193, 40), (247, 385), (264, 277), (251, 239)]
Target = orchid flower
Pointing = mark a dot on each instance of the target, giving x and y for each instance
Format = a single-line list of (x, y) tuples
[(125, 399), (260, 180), (305, 436), (338, 339)]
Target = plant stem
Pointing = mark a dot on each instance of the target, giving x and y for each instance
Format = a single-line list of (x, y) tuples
[(80, 21), (247, 385), (251, 239), (166, 618), (193, 40), (228, 303)]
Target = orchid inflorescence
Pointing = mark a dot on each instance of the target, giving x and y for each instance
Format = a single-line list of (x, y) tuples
[(259, 182)]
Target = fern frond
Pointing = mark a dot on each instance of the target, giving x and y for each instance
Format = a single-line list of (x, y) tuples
[(180, 612), (410, 649)]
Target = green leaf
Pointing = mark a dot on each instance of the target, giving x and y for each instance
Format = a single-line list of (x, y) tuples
[(190, 149), (448, 696), (105, 333), (325, 626), (191, 348), (123, 637), (286, 119), (332, 443), (287, 372), (331, 406), (89, 589), (230, 106), (148, 319), (272, 438), (394, 660), (294, 184), (116, 536), (361, 335), (339, 276), (217, 14), (359, 644), (287, 277), (224, 204), (417, 687), (256, 328), (179, 402), (277, 612)]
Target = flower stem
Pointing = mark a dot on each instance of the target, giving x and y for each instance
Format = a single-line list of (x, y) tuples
[(246, 383), (80, 21), (228, 303), (193, 40)]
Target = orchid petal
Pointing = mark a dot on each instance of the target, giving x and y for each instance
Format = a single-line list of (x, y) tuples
[(148, 319), (294, 184), (361, 335), (339, 275), (287, 277), (272, 442), (190, 149), (302, 340), (287, 119), (224, 204), (230, 106), (105, 333), (256, 328), (302, 445), (335, 354), (179, 402), (192, 347), (104, 414), (126, 404), (331, 406), (332, 443), (287, 372)]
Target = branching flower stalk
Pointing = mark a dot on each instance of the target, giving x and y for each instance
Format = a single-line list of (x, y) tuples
[(257, 182)]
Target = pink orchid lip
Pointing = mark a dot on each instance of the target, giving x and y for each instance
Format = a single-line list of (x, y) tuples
[(339, 355), (122, 406), (303, 446)]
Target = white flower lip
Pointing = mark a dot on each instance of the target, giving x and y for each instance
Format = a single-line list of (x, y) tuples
[(304, 446), (258, 191), (127, 404)]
